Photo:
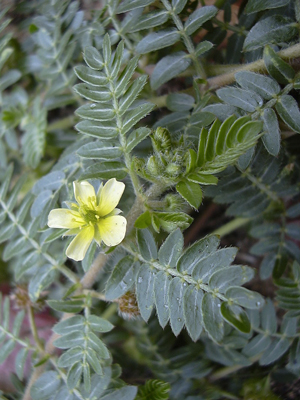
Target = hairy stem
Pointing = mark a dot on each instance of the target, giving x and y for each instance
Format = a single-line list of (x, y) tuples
[(256, 66)]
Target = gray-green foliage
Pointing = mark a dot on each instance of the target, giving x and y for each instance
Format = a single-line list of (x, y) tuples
[(158, 95)]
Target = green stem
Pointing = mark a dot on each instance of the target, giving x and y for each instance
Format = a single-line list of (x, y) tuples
[(224, 372), (231, 226), (226, 26), (256, 66), (110, 311), (34, 330), (186, 39)]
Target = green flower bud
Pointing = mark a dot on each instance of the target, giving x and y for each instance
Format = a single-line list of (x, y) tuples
[(161, 139), (153, 166), (173, 169)]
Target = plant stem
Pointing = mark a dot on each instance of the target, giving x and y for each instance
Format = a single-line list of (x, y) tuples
[(256, 66), (223, 372), (230, 226), (34, 330), (111, 310)]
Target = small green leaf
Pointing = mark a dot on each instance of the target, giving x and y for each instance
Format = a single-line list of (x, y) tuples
[(9, 78), (122, 278), (145, 290), (171, 249), (105, 170), (203, 47), (176, 294), (213, 260), (210, 143), (68, 306), (288, 110), (191, 192), (69, 325), (70, 357), (45, 385), (161, 291), (263, 85), (168, 68), (106, 49), (99, 324), (132, 93), (203, 179), (150, 20), (236, 317), (274, 351), (245, 297), (147, 245), (100, 150), (90, 76), (198, 18), (137, 136), (115, 66), (254, 6), (257, 345), (105, 130), (231, 137), (20, 362), (230, 276), (158, 40), (6, 350), (134, 116), (73, 339), (268, 317), (99, 95), (212, 319), (169, 221), (93, 58), (74, 375), (277, 68), (128, 5), (270, 30), (178, 5), (192, 303), (198, 251), (180, 102), (143, 221), (244, 99), (249, 131), (124, 79), (96, 112), (271, 138)]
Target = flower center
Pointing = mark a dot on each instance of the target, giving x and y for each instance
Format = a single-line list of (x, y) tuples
[(90, 216)]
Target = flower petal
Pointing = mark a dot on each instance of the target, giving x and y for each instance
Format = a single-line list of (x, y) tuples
[(110, 196), (64, 218), (112, 229), (85, 194), (80, 244)]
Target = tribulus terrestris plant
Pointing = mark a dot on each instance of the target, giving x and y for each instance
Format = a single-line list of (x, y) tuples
[(149, 199)]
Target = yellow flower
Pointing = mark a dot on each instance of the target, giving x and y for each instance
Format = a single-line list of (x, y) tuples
[(93, 217)]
